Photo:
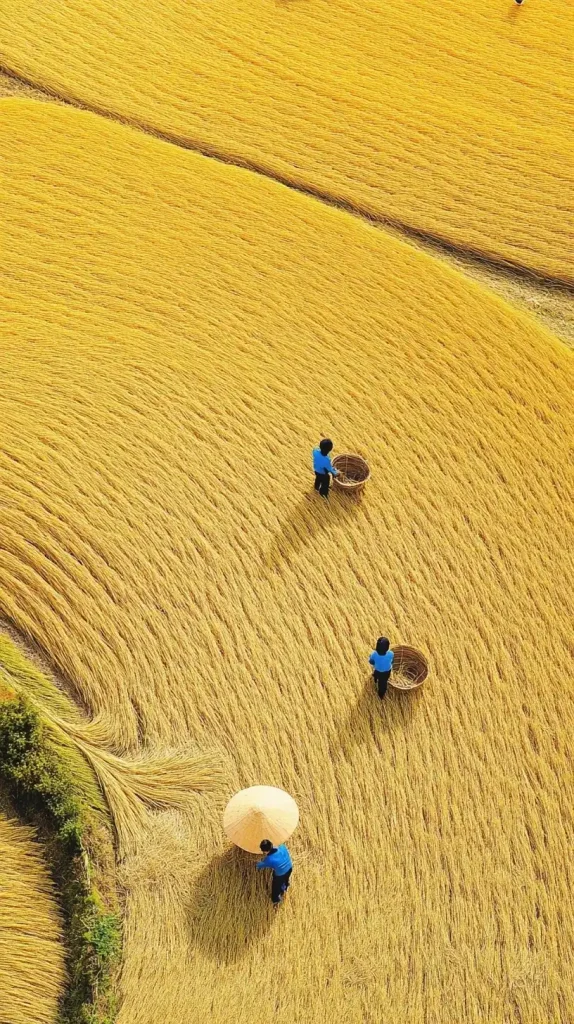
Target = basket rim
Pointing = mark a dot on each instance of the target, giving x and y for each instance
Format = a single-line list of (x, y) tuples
[(420, 662), (350, 484), (406, 689), (363, 461)]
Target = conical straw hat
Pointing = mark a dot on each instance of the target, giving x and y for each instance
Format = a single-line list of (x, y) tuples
[(261, 812)]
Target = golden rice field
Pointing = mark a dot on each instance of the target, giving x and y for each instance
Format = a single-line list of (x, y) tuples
[(450, 119), (180, 332), (31, 954), (550, 301)]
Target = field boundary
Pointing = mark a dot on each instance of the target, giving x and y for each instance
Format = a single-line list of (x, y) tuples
[(76, 837), (402, 229)]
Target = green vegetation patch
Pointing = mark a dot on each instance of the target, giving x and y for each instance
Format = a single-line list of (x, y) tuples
[(19, 675), (38, 768)]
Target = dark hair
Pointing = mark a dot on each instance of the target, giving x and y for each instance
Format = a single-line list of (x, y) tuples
[(326, 446), (382, 645), (266, 845)]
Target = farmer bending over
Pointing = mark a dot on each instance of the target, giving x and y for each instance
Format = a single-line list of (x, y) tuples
[(323, 467), (279, 859)]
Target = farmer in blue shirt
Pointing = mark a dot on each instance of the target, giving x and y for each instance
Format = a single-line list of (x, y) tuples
[(382, 661), (279, 859), (323, 467)]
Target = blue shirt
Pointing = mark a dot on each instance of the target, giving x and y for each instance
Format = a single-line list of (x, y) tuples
[(322, 463), (280, 861), (382, 662)]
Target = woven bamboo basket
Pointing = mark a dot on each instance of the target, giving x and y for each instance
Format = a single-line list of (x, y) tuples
[(354, 472), (410, 669)]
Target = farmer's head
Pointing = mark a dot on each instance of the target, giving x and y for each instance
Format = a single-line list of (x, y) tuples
[(326, 446), (266, 846), (382, 645)]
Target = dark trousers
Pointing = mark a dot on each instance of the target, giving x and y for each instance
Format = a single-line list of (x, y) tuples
[(279, 885), (381, 681), (322, 481)]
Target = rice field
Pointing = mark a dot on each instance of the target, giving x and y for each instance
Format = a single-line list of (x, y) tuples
[(31, 952), (446, 119), (180, 333)]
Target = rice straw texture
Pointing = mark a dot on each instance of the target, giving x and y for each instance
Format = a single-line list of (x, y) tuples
[(32, 971), (451, 120), (180, 333)]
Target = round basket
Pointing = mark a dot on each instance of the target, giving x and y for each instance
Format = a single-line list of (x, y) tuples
[(410, 669), (354, 472)]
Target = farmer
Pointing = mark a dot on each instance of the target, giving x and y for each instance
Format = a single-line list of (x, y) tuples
[(382, 661), (323, 467), (279, 860)]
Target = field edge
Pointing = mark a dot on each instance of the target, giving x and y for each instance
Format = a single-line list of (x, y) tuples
[(75, 832)]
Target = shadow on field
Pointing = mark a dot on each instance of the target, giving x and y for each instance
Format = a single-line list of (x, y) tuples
[(230, 907), (310, 517), (370, 717)]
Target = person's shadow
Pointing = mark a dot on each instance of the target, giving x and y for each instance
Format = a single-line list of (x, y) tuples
[(230, 907), (311, 516), (371, 717)]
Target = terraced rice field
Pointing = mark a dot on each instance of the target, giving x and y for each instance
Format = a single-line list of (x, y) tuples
[(180, 333), (447, 119), (31, 953)]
